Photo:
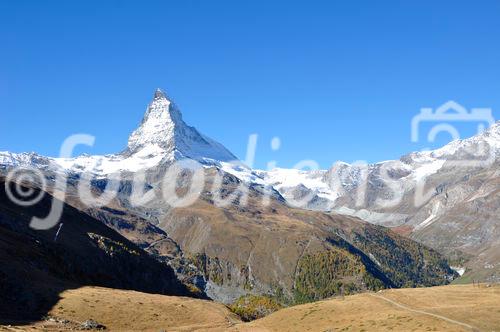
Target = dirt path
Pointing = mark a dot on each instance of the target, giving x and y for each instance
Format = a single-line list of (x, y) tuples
[(402, 306)]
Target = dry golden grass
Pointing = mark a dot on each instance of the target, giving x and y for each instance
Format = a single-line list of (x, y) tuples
[(447, 308), (410, 310), (121, 310)]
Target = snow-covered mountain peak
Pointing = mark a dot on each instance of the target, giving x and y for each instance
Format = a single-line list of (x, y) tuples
[(493, 131), (163, 126), (162, 137), (160, 94), (479, 145), (158, 123)]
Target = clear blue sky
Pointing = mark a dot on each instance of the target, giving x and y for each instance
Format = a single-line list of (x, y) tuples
[(335, 80)]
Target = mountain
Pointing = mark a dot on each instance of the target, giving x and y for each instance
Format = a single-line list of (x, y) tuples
[(458, 215), (338, 188), (294, 254), (240, 235), (163, 129), (39, 265), (162, 137)]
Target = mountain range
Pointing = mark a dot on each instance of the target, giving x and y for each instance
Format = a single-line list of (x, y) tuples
[(296, 235)]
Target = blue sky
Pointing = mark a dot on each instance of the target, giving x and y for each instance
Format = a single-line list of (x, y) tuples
[(335, 80)]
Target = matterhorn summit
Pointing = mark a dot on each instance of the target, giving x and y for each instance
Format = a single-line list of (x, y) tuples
[(161, 138), (163, 128)]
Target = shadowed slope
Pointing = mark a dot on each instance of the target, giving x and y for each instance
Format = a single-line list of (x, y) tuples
[(36, 268)]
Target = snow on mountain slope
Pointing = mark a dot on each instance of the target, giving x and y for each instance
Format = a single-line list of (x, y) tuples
[(149, 156), (163, 126), (343, 179), (9, 159), (242, 172), (100, 166), (281, 179)]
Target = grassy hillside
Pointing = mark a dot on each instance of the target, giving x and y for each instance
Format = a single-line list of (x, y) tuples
[(445, 308)]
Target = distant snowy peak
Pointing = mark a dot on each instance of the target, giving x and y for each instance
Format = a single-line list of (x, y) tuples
[(480, 146), (343, 178), (9, 159), (163, 126)]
